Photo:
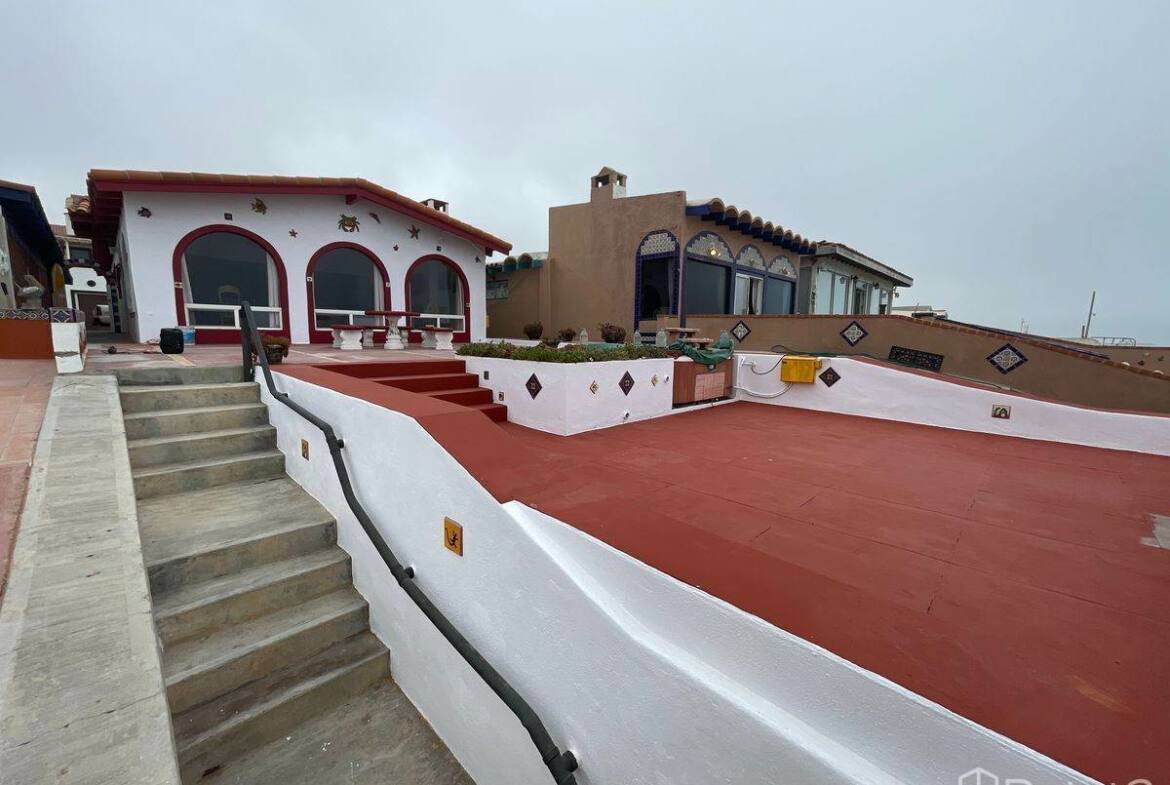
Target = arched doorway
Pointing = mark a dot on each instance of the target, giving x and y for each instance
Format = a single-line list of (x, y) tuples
[(437, 290), (218, 267), (344, 280)]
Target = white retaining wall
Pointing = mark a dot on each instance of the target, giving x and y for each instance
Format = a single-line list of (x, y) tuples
[(565, 404), (645, 679), (869, 390)]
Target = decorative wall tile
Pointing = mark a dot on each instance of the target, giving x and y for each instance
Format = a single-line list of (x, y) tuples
[(710, 245), (25, 314), (627, 383), (741, 331), (594, 387), (654, 380), (830, 376), (750, 256), (227, 216), (533, 385), (1007, 358), (658, 243), (916, 358), (854, 333), (781, 266)]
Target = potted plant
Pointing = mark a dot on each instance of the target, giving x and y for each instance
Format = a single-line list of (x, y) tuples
[(612, 333), (534, 330), (275, 347), (567, 335)]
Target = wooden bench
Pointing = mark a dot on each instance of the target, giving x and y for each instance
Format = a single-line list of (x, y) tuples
[(437, 337), (700, 342), (347, 336)]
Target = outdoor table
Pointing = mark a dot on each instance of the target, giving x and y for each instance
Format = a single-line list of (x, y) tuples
[(347, 336), (396, 337)]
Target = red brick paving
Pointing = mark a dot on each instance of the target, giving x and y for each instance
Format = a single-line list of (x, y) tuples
[(24, 394)]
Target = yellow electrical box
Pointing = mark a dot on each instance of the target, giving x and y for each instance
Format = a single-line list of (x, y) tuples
[(798, 369)]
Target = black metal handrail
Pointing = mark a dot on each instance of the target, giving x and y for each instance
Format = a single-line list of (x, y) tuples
[(560, 764)]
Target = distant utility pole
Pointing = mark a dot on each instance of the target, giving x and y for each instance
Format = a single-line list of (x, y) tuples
[(1089, 321)]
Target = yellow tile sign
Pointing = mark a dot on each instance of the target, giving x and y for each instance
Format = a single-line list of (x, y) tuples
[(453, 536)]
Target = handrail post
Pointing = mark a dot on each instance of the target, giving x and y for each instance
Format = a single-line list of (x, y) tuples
[(245, 349)]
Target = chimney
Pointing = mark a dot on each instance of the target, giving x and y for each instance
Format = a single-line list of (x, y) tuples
[(607, 184), (436, 204)]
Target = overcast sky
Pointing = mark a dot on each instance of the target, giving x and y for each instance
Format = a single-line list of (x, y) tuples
[(1011, 156)]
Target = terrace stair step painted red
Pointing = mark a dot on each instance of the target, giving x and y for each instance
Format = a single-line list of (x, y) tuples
[(446, 380)]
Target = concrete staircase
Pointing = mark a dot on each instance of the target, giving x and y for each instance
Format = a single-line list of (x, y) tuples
[(447, 380), (253, 602)]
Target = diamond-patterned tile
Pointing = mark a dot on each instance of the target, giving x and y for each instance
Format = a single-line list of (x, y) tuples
[(626, 383), (1007, 358), (594, 387), (830, 376), (854, 333), (654, 380), (741, 331), (533, 385)]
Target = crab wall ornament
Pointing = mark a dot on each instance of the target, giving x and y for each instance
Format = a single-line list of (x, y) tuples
[(258, 206), (349, 223)]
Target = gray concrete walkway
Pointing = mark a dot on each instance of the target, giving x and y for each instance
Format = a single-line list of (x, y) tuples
[(81, 688)]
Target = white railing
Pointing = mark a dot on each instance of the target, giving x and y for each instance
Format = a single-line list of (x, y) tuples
[(351, 317), (451, 321), (234, 311)]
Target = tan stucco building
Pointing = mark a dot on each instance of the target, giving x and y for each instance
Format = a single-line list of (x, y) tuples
[(647, 261)]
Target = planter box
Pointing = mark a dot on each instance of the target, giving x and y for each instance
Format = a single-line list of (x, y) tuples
[(566, 400)]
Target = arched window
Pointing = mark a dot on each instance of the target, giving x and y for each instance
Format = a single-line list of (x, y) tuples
[(749, 281), (345, 282), (221, 269), (656, 276), (435, 290), (707, 275)]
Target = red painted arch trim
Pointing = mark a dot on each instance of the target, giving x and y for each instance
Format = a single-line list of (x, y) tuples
[(226, 336), (326, 336), (464, 336)]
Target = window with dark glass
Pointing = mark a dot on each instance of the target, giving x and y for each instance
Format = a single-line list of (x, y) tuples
[(706, 287)]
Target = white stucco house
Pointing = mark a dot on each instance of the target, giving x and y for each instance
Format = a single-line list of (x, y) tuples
[(184, 249)]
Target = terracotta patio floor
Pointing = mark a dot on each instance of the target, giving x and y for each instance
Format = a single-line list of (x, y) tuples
[(1004, 578), (24, 394)]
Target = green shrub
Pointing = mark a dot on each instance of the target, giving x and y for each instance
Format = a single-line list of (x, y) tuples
[(569, 354), (567, 334)]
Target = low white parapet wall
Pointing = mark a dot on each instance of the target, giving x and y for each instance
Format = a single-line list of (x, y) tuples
[(868, 389), (568, 398), (644, 678), (69, 346)]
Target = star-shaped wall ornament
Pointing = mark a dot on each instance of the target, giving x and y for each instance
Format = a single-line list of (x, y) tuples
[(292, 232), (144, 212), (414, 232), (396, 248)]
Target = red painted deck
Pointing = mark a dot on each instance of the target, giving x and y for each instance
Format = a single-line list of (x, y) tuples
[(1003, 578)]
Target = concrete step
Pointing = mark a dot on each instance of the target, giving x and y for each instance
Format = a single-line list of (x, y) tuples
[(153, 398), (178, 374), (494, 411), (172, 422), (266, 709), (399, 368), (203, 534), (198, 670), (465, 397), (432, 381), (201, 607), (160, 450), (170, 478)]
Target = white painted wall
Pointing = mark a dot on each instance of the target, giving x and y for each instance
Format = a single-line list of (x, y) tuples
[(565, 405), (86, 281), (645, 679), (69, 347), (870, 390), (151, 246)]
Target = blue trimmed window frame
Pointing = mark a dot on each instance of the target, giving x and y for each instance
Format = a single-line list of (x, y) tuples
[(639, 258)]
